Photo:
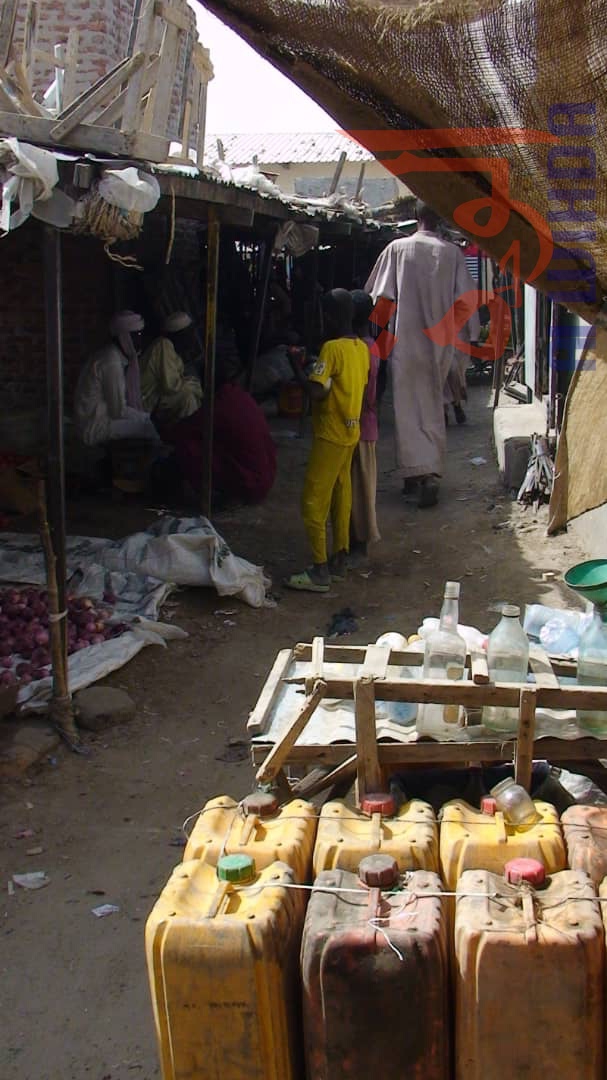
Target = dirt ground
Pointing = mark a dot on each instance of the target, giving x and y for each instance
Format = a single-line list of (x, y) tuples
[(74, 995)]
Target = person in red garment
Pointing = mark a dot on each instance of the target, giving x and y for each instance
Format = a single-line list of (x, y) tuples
[(244, 454)]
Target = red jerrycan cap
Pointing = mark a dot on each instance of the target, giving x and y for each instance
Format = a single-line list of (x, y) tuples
[(378, 802), (260, 802), (522, 870), (378, 871), (488, 805)]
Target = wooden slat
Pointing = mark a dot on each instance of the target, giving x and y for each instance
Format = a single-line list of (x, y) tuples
[(29, 39), (143, 42), (70, 69), (524, 743), (202, 124), (375, 664), (173, 15), (444, 692), (320, 779), (541, 667), (280, 751), (426, 752), (260, 717), (316, 663), (355, 654), (96, 95), (8, 15), (112, 112), (87, 137), (368, 768), (163, 91)]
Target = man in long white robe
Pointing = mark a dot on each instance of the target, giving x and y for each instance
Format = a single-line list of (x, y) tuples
[(424, 275)]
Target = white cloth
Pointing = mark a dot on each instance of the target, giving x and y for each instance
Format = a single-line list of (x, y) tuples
[(424, 275), (122, 325), (100, 409), (179, 320)]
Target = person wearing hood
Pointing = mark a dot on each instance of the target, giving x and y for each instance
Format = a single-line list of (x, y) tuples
[(167, 393), (107, 399)]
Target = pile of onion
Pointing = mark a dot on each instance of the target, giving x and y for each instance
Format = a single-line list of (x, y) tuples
[(25, 653)]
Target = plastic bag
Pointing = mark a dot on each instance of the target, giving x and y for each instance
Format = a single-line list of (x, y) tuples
[(129, 189), (32, 174)]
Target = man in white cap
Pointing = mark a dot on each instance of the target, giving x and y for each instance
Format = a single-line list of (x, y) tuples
[(167, 392), (107, 399)]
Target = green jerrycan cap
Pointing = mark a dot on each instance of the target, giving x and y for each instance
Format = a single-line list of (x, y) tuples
[(236, 868)]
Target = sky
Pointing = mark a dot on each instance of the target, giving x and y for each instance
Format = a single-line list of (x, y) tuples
[(247, 94)]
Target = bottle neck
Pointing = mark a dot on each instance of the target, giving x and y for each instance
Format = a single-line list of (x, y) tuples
[(449, 615)]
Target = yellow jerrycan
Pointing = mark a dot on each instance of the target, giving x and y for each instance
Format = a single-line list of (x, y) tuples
[(482, 839), (257, 826), (346, 835), (222, 947), (528, 975)]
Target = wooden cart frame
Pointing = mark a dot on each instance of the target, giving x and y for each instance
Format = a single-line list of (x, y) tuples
[(370, 759)]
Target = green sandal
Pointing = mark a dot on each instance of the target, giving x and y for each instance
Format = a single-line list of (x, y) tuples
[(305, 583)]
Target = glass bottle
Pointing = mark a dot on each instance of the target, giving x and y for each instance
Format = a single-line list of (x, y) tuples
[(592, 671), (508, 661), (444, 658)]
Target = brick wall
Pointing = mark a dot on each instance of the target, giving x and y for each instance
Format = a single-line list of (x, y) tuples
[(104, 27), (87, 305)]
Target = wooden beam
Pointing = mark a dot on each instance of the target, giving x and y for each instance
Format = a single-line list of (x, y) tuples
[(29, 39), (261, 296), (202, 124), (173, 15), (112, 112), (163, 91), (368, 768), (282, 748), (339, 168), (70, 68), (320, 779), (524, 743), (87, 137), (395, 755), (141, 40), (210, 337), (444, 692), (96, 95), (8, 16), (261, 716)]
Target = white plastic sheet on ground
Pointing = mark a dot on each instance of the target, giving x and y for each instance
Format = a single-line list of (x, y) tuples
[(140, 571)]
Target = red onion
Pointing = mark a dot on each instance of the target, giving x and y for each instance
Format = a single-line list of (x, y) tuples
[(97, 639), (7, 678), (6, 662), (23, 669), (41, 637), (5, 649)]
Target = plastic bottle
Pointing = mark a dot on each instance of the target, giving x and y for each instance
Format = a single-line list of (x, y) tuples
[(508, 661), (592, 671), (444, 658)]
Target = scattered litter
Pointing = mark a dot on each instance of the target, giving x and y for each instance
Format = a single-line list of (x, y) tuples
[(463, 498), (416, 551), (29, 806), (342, 623), (36, 880), (105, 909), (95, 892), (478, 461), (549, 575), (225, 611), (177, 841), (229, 622), (235, 750), (34, 851), (365, 573), (24, 834), (11, 888), (537, 485)]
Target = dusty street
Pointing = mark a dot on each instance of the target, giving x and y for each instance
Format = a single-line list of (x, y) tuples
[(74, 999)]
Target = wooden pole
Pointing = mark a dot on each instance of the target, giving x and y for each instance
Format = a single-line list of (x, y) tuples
[(210, 336), (52, 507), (261, 296)]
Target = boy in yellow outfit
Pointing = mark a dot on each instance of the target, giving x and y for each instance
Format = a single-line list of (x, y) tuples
[(336, 388)]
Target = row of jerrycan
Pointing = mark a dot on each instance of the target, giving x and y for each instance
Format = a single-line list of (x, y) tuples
[(375, 961)]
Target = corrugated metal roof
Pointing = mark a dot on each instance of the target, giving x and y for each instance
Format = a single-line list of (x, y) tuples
[(286, 148)]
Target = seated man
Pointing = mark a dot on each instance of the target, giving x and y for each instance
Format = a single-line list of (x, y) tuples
[(166, 391), (107, 399), (244, 454)]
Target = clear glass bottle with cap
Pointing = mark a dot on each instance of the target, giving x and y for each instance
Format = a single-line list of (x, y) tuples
[(592, 671), (444, 658), (508, 661)]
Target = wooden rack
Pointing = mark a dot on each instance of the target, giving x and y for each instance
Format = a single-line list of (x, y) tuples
[(370, 680)]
